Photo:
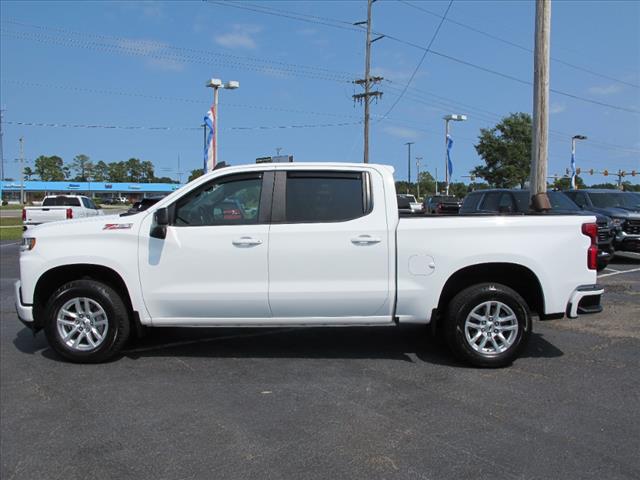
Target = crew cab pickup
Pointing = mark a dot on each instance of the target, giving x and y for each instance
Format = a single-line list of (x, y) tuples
[(59, 207), (308, 244)]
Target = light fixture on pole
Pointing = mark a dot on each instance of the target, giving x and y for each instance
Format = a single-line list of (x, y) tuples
[(212, 146), (447, 146), (573, 158)]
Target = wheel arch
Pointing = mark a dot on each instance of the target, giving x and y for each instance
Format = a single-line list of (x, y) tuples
[(515, 276), (55, 277)]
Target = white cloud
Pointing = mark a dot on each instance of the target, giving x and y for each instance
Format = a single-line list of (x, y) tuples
[(147, 9), (241, 36), (557, 108), (610, 89), (401, 132)]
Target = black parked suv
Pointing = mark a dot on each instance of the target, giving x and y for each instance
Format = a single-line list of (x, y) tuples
[(622, 207), (511, 201)]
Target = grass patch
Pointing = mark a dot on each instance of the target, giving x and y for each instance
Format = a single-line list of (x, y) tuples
[(12, 233), (11, 207), (10, 221)]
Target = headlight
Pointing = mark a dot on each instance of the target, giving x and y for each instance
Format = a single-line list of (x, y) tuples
[(28, 243)]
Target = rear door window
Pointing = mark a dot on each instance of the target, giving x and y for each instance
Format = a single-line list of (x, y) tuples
[(315, 197), (61, 202)]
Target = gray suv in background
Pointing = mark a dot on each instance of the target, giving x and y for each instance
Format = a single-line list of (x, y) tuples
[(622, 207)]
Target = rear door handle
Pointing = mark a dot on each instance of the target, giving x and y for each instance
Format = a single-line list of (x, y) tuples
[(246, 242), (365, 240)]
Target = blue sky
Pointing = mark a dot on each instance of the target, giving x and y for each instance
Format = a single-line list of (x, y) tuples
[(144, 64)]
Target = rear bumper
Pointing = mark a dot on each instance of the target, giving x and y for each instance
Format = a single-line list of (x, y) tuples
[(584, 300), (25, 312)]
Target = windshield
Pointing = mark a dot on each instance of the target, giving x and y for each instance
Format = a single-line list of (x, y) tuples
[(559, 201), (614, 199)]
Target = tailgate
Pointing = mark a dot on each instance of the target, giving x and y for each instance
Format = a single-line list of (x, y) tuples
[(35, 215)]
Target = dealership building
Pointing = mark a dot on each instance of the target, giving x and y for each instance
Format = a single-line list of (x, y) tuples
[(34, 191)]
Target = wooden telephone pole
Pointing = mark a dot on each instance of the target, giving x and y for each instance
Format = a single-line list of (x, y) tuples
[(539, 147), (368, 80)]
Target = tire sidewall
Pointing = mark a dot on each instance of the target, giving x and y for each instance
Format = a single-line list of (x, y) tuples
[(100, 294), (472, 298)]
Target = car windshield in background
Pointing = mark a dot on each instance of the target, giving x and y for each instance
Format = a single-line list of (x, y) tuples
[(61, 202), (613, 199), (559, 201)]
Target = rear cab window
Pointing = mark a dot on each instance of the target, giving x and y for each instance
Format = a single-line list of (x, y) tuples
[(324, 196), (61, 202)]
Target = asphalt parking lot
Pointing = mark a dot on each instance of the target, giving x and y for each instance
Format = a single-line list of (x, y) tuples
[(326, 403)]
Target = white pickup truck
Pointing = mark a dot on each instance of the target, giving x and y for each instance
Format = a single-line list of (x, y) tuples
[(59, 207), (308, 244)]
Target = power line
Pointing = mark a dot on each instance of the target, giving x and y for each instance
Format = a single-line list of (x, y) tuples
[(163, 128), (301, 17), (517, 45), (433, 38)]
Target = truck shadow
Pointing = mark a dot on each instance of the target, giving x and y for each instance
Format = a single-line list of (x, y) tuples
[(408, 343)]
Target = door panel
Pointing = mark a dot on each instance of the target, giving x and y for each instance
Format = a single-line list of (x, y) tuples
[(213, 262), (326, 268)]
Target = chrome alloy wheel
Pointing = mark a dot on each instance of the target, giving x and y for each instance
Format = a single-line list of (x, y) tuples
[(82, 324), (491, 328)]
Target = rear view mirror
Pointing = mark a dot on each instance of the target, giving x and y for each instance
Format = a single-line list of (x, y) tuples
[(160, 222)]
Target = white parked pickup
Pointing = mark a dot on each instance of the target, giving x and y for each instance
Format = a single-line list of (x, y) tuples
[(59, 207), (308, 244)]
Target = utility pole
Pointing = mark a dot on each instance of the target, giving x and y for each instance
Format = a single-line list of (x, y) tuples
[(418, 159), (179, 171), (1, 156), (368, 81), (436, 192), (21, 171), (408, 144), (538, 181)]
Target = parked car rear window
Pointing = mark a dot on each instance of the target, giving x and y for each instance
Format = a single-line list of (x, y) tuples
[(324, 197), (61, 202)]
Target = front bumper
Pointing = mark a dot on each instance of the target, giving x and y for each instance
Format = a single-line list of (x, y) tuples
[(25, 312), (585, 299)]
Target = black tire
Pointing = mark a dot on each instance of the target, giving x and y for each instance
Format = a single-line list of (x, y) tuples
[(477, 297), (117, 319)]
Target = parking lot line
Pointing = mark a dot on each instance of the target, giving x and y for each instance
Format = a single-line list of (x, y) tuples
[(619, 272), (7, 244), (612, 269)]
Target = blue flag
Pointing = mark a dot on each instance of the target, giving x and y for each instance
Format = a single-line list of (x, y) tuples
[(449, 162), (209, 121)]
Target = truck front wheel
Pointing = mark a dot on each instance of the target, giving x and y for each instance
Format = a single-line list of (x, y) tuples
[(86, 321), (488, 324)]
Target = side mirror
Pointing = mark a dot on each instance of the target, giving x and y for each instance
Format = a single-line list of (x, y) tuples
[(160, 222)]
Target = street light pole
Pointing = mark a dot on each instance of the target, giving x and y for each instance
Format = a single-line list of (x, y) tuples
[(447, 119), (216, 84), (573, 158), (418, 175), (21, 171), (408, 144)]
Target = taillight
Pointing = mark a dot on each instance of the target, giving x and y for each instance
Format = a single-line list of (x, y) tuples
[(69, 213), (591, 231), (24, 214)]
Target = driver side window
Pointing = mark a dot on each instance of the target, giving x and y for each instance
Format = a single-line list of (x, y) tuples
[(231, 200)]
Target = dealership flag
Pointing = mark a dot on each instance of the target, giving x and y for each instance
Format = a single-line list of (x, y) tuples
[(449, 162), (210, 124)]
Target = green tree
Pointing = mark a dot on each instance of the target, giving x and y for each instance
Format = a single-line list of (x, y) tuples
[(100, 172), (198, 172), (147, 173), (83, 167), (118, 172), (165, 180), (564, 183), (50, 169), (458, 189), (28, 173), (427, 184), (134, 170), (506, 151)]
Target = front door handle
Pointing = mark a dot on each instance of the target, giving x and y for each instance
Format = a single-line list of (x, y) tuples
[(246, 242), (365, 240)]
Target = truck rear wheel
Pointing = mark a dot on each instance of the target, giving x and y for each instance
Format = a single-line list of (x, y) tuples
[(86, 321), (488, 324)]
